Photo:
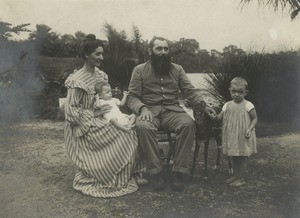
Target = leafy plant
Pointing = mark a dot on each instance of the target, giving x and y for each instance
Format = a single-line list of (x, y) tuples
[(293, 5), (273, 82), (6, 29)]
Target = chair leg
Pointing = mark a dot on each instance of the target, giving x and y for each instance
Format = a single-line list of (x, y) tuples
[(172, 148)]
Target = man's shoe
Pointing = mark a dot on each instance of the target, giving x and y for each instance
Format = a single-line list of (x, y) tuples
[(158, 182), (177, 182)]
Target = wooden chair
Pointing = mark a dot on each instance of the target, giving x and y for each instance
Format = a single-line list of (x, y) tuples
[(171, 139)]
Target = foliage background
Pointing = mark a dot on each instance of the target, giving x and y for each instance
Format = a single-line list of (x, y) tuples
[(33, 71)]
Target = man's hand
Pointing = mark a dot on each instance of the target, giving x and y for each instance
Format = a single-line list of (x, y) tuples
[(212, 116), (210, 111), (187, 103), (146, 114)]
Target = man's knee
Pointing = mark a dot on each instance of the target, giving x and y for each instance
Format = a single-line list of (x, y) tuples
[(187, 123), (144, 125)]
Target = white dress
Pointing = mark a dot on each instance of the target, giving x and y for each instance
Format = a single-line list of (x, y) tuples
[(236, 121), (114, 112)]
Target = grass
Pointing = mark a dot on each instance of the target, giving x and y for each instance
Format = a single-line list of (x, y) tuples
[(37, 176), (265, 129)]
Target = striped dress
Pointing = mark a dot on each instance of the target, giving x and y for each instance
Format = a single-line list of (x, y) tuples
[(105, 156)]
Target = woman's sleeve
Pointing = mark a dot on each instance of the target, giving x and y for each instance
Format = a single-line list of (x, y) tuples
[(79, 118)]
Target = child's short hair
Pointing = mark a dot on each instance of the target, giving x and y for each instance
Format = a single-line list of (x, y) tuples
[(99, 86), (239, 81)]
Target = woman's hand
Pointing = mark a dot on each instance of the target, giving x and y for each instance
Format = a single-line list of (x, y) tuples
[(103, 110), (126, 129), (97, 97)]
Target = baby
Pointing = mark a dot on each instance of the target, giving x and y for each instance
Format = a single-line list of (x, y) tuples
[(114, 116)]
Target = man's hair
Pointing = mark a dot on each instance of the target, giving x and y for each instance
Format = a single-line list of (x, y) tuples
[(158, 38), (99, 86), (239, 81)]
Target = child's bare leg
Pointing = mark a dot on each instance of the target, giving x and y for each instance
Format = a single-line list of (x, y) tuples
[(242, 165), (241, 161), (131, 120), (235, 170)]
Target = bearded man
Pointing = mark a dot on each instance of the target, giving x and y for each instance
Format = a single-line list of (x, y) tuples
[(154, 91)]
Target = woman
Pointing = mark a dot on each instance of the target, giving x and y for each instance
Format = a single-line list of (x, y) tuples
[(104, 155)]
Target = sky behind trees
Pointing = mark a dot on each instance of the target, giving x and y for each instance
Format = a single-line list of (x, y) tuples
[(213, 23)]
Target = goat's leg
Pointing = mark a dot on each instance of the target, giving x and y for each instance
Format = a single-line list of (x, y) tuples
[(197, 147), (219, 148), (206, 144), (230, 165)]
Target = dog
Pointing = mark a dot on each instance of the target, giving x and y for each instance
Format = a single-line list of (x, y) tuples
[(207, 128)]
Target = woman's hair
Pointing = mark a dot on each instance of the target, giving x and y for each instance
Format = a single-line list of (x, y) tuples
[(99, 86), (89, 45), (239, 81)]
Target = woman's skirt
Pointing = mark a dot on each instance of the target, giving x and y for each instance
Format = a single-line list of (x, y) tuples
[(106, 159)]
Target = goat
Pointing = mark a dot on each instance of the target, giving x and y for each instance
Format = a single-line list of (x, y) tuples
[(207, 128)]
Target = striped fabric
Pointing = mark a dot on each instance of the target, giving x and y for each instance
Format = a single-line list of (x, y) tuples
[(104, 155)]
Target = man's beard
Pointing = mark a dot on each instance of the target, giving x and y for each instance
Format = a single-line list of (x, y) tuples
[(161, 64)]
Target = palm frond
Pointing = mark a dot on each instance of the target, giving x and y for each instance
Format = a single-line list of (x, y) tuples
[(21, 28), (292, 5)]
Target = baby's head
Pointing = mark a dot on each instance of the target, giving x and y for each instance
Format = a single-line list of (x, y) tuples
[(104, 90), (238, 89)]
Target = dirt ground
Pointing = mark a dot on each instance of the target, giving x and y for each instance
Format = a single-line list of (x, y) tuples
[(36, 180)]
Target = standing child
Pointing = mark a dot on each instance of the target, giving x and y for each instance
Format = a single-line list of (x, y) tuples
[(238, 131), (114, 116)]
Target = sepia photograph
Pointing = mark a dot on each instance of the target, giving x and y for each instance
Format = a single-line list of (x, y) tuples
[(149, 108)]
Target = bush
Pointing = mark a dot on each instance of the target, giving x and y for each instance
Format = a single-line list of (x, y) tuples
[(53, 73), (273, 83), (279, 94)]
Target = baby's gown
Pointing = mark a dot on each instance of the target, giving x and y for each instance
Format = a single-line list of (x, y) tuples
[(235, 124)]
